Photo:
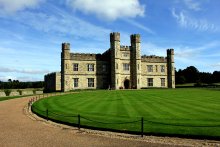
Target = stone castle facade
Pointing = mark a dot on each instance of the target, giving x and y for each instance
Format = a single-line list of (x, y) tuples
[(120, 67)]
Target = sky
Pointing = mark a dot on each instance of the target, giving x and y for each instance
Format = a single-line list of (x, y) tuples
[(31, 32)]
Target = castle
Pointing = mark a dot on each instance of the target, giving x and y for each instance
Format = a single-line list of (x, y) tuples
[(120, 67)]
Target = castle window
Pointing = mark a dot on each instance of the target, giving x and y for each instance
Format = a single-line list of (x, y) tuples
[(125, 66), (75, 67), (90, 67), (138, 66), (104, 68), (66, 66), (125, 54), (117, 66), (90, 82), (149, 68), (156, 68), (162, 82), (76, 82), (162, 67), (150, 82)]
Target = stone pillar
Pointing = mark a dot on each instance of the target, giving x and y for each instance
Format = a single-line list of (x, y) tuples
[(115, 59), (170, 69), (65, 66), (135, 63)]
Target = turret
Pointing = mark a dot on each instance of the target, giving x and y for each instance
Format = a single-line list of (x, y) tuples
[(65, 55), (115, 59), (135, 61), (170, 68)]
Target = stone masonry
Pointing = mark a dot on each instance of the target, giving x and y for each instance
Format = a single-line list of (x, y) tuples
[(120, 67)]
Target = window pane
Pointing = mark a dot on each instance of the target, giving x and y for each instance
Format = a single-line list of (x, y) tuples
[(162, 67), (90, 82), (104, 68), (75, 67), (150, 82), (125, 66), (90, 67), (149, 68), (75, 82), (162, 82)]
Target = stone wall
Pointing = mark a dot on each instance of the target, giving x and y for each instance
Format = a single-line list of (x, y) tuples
[(27, 92), (153, 59), (114, 58), (2, 94), (52, 82), (14, 93)]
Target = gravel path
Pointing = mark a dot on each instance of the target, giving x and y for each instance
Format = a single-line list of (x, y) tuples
[(19, 127)]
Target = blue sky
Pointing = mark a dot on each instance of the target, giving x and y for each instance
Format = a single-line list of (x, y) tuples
[(32, 31)]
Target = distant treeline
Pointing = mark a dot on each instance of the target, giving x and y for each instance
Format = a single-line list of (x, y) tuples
[(192, 75), (15, 84)]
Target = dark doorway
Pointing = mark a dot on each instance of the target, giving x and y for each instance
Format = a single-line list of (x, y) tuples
[(126, 84)]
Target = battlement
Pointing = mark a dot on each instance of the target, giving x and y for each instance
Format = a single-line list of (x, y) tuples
[(87, 57), (170, 51), (124, 48), (115, 36), (49, 75), (135, 38), (153, 58), (65, 46)]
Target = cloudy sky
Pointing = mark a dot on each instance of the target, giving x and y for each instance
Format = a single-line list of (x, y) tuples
[(31, 31)]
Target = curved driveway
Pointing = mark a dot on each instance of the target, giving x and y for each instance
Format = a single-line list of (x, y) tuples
[(19, 128)]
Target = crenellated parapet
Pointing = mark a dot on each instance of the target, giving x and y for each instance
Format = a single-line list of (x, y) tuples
[(125, 48), (87, 57), (153, 59)]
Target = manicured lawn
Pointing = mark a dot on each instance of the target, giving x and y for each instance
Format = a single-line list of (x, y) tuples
[(178, 112)]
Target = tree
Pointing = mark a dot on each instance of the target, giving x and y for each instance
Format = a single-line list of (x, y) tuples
[(216, 77), (191, 74)]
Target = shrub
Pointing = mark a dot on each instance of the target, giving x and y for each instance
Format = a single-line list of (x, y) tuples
[(7, 92), (20, 91), (34, 91)]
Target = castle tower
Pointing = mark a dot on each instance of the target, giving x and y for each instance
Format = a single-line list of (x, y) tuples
[(170, 69), (65, 67), (115, 59), (135, 61)]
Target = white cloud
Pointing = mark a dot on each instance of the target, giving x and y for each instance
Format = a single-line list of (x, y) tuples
[(215, 65), (25, 71), (198, 24), (140, 26), (20, 78), (109, 9), (193, 5), (62, 23), (10, 6)]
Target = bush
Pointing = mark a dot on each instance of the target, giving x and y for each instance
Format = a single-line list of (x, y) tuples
[(34, 91), (7, 92), (198, 84), (20, 91)]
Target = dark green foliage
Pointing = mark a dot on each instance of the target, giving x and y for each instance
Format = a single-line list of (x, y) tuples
[(20, 91), (7, 92), (189, 112), (15, 84), (192, 75)]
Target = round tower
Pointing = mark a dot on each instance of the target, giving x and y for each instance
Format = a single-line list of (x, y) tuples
[(170, 68), (115, 59), (65, 55)]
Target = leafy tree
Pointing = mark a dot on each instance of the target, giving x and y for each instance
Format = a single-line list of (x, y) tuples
[(191, 74)]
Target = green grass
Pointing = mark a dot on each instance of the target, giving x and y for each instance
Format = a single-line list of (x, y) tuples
[(180, 112), (10, 97)]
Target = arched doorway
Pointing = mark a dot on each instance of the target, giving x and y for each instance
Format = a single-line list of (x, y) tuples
[(126, 84)]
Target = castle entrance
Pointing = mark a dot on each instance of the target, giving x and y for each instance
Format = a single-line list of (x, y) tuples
[(126, 84)]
